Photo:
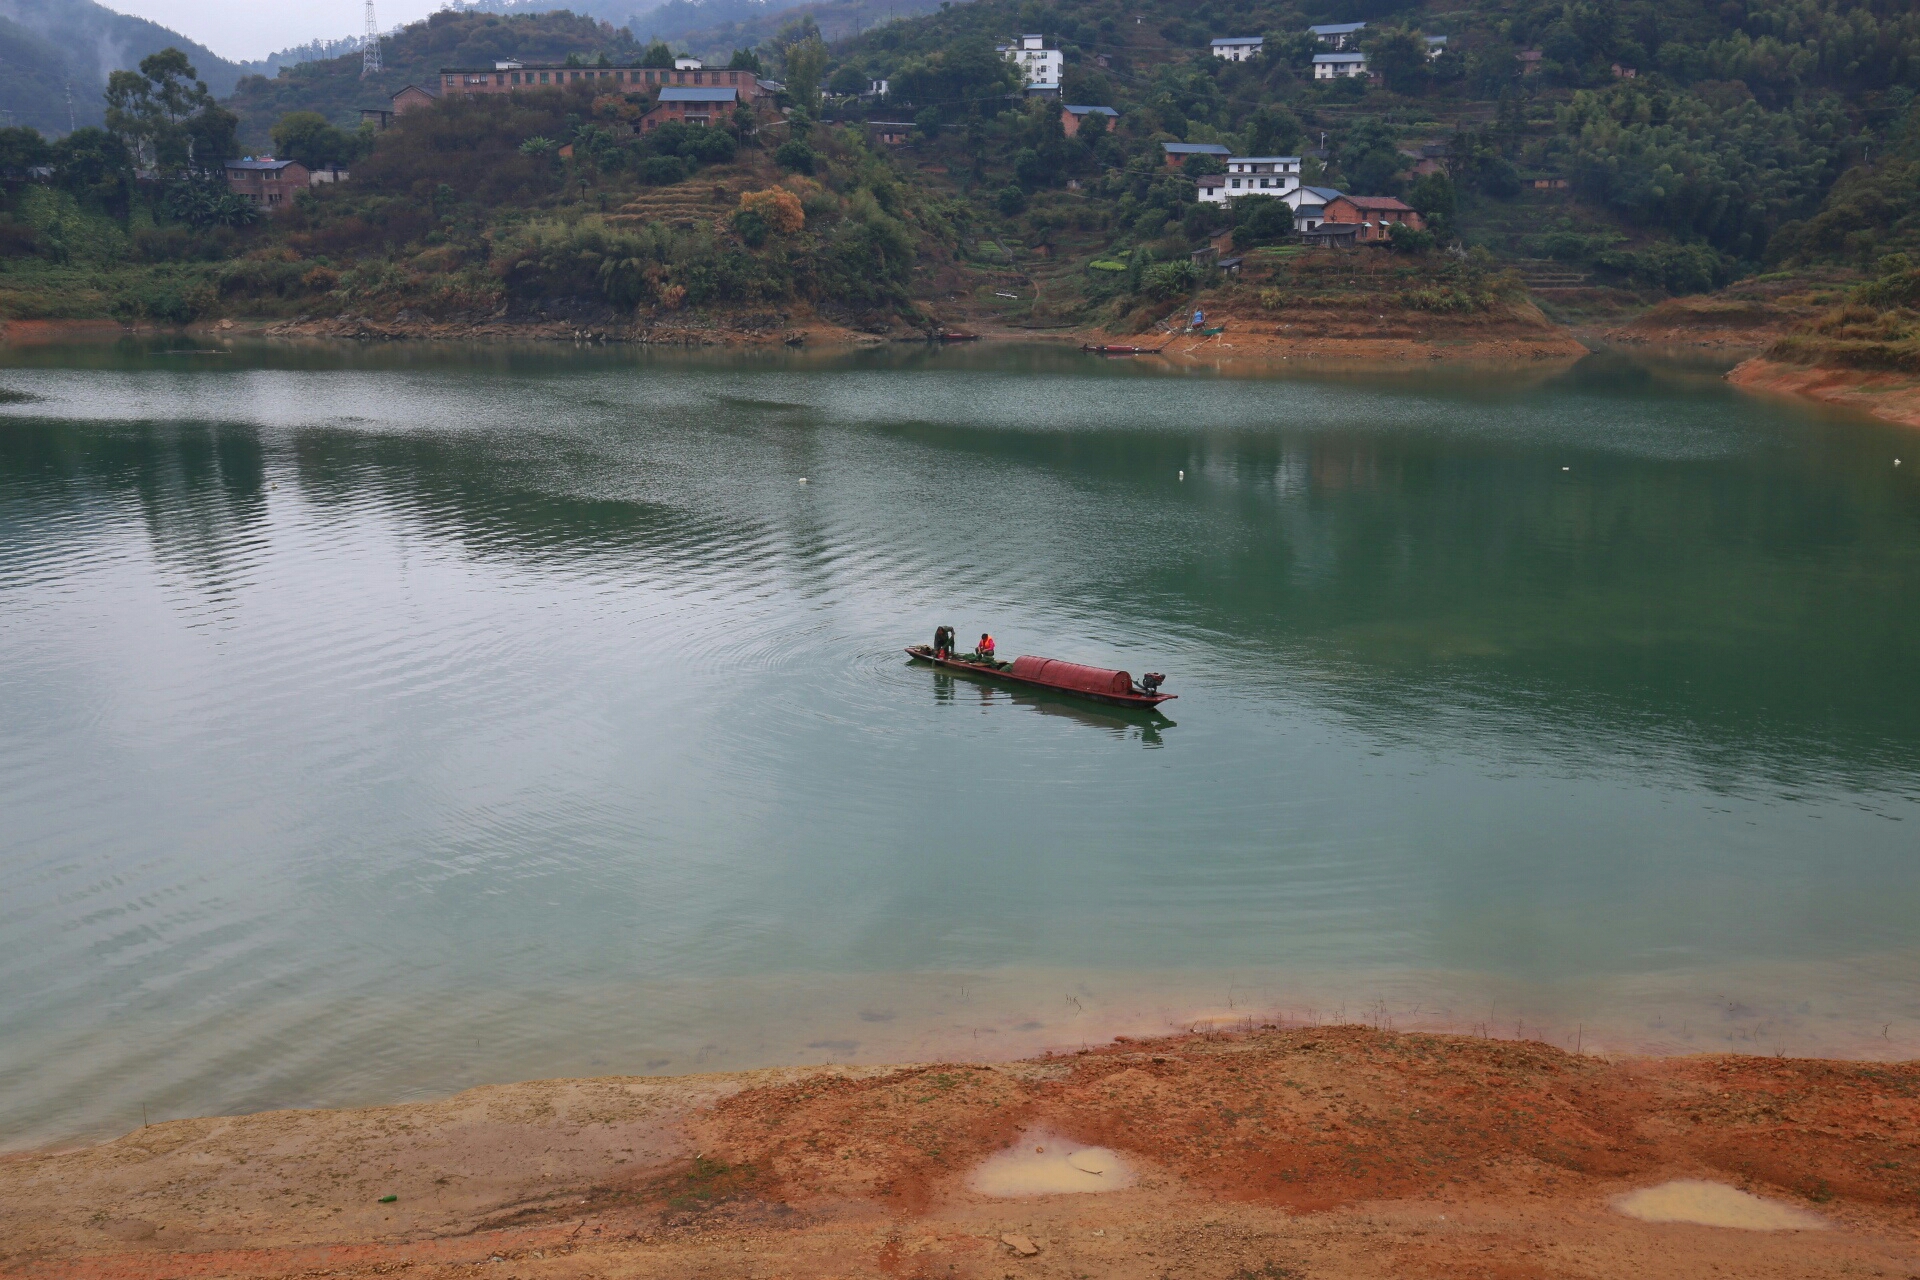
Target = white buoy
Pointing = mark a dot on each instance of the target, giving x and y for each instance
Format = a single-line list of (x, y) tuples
[(1183, 475), (803, 479), (1566, 468)]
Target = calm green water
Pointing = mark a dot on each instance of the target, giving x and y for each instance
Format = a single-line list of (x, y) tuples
[(375, 723)]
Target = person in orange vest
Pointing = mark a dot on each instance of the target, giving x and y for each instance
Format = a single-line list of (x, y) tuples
[(986, 647)]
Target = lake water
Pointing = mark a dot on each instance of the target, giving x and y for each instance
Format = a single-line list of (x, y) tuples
[(378, 722)]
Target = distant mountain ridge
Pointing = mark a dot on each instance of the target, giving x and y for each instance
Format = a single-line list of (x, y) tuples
[(47, 45)]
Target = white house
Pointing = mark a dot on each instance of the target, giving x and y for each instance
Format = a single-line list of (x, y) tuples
[(1338, 34), (1309, 205), (1251, 176), (1337, 66), (1238, 48), (1039, 64), (1436, 45), (687, 64)]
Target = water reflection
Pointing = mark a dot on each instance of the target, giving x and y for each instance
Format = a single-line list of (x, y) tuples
[(954, 688)]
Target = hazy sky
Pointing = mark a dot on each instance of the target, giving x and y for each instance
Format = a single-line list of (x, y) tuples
[(248, 29)]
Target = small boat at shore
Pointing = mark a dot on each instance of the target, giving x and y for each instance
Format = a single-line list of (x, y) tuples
[(955, 335), (1116, 688), (1109, 349)]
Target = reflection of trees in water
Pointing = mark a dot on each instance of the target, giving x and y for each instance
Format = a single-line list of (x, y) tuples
[(200, 487)]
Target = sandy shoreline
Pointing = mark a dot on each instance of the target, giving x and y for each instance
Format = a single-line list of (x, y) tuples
[(1324, 1151)]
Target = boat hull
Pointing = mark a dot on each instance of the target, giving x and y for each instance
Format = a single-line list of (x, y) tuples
[(1145, 701)]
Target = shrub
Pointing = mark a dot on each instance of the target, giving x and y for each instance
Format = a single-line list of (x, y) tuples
[(795, 155), (167, 301), (1169, 279), (778, 207), (664, 171), (1011, 200), (1405, 239)]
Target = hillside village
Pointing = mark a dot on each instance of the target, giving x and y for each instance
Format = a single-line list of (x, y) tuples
[(1023, 166)]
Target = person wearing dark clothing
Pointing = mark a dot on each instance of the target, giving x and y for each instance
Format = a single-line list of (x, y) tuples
[(943, 642)]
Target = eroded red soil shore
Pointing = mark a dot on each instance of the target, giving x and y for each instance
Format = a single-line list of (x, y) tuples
[(1283, 1152)]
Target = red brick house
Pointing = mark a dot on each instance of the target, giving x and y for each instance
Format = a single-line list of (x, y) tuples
[(1072, 116), (512, 77), (1373, 215), (412, 98), (268, 184), (690, 106)]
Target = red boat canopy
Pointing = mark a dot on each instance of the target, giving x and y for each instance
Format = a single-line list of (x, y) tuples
[(1071, 675)]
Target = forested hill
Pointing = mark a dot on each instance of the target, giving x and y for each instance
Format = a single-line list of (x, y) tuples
[(45, 45), (714, 28), (335, 88), (1705, 124)]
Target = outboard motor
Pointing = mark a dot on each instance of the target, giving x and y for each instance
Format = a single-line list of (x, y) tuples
[(1150, 682)]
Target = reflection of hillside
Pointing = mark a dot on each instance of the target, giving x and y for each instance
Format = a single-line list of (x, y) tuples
[(200, 488), (1689, 588)]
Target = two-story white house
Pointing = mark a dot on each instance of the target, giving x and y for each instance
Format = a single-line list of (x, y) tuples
[(1040, 65), (1251, 176), (1339, 66), (1338, 34), (1238, 48)]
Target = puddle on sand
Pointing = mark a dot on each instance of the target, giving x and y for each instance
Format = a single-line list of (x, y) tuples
[(1713, 1204), (1041, 1164)]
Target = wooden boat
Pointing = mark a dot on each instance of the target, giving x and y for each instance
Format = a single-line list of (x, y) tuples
[(1102, 685), (954, 335), (1101, 349)]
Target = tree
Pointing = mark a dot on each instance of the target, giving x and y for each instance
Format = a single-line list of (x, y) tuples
[(746, 60), (1432, 196), (1371, 158), (1272, 131), (658, 54), (847, 81), (1400, 56), (1257, 219), (806, 62), (166, 117), (306, 136), (794, 154), (22, 150), (95, 166)]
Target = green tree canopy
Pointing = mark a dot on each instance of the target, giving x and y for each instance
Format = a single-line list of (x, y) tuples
[(95, 166), (307, 137), (166, 117), (1400, 56), (1371, 159), (21, 151)]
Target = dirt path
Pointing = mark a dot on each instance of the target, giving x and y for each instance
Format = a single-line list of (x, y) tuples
[(1306, 1152)]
